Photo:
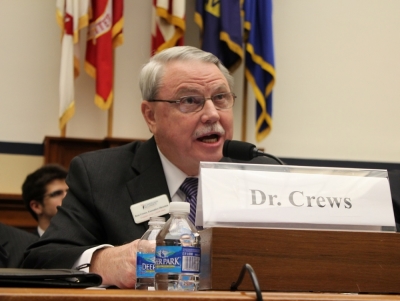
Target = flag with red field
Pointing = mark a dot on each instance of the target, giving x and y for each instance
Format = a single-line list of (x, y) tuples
[(168, 25), (104, 34)]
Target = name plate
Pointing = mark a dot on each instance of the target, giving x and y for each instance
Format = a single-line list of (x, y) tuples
[(282, 196)]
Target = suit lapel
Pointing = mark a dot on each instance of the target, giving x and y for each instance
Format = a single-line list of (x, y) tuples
[(149, 181)]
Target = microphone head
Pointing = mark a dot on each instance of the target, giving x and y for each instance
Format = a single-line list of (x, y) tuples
[(239, 150)]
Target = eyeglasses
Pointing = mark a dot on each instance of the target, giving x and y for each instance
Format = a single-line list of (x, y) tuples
[(56, 193), (195, 103)]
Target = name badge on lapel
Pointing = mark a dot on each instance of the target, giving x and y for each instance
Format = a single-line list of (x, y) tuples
[(157, 206)]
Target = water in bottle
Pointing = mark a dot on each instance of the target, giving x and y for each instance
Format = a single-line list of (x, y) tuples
[(146, 255), (178, 254)]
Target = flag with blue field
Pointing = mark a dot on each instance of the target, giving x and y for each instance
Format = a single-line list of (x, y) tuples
[(260, 70), (221, 30)]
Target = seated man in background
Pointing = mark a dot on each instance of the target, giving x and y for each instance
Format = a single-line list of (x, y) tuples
[(13, 243), (187, 105), (43, 191)]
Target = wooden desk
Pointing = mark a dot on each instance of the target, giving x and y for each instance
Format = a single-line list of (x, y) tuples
[(40, 294), (294, 260)]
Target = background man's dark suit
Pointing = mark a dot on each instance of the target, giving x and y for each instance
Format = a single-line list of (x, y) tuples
[(102, 187), (13, 243)]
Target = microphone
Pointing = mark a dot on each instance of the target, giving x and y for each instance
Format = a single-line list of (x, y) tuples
[(244, 151)]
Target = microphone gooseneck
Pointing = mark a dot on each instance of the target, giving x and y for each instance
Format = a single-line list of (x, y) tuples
[(244, 151)]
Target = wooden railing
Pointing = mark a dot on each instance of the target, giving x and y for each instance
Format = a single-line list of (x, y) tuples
[(61, 150)]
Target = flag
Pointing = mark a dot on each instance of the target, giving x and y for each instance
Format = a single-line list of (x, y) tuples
[(168, 24), (72, 16), (104, 34), (260, 70), (221, 30)]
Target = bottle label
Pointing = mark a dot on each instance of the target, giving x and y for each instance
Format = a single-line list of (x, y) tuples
[(177, 259), (191, 260), (145, 265)]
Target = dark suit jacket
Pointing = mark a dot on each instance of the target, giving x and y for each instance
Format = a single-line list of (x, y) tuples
[(102, 187), (13, 243)]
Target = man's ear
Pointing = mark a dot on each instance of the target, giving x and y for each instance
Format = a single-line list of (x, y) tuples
[(36, 206), (149, 116)]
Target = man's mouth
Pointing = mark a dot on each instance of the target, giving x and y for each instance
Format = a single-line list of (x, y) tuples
[(209, 139)]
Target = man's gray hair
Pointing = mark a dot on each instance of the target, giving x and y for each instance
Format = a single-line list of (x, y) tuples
[(151, 74)]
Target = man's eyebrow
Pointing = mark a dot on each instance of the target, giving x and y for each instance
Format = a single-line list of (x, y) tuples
[(186, 91), (195, 91)]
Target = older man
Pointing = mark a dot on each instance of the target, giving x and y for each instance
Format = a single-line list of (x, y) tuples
[(187, 104)]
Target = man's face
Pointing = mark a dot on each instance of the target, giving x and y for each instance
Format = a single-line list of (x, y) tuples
[(188, 138), (55, 192)]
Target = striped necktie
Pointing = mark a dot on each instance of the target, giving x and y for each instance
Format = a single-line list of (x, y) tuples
[(189, 187)]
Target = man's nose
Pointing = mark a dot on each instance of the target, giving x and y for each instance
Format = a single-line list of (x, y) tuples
[(210, 112), (64, 193)]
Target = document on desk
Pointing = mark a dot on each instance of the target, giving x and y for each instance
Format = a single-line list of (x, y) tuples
[(252, 195)]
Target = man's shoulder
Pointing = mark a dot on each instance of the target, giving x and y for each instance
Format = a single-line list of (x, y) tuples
[(116, 158), (11, 232)]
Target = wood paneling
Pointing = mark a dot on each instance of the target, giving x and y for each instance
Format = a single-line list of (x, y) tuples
[(62, 150), (14, 213)]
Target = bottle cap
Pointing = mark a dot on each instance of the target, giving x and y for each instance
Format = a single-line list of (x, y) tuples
[(179, 207), (154, 220)]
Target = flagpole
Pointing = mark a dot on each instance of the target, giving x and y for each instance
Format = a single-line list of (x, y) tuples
[(64, 131), (244, 108), (110, 119)]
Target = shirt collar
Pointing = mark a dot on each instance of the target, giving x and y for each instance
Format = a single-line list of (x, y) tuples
[(40, 231), (173, 174)]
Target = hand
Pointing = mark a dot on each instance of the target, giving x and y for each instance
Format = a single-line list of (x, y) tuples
[(117, 266)]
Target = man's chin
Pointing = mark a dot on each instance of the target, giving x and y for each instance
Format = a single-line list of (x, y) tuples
[(213, 158)]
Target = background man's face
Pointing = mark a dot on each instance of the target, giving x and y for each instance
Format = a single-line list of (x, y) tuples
[(55, 192)]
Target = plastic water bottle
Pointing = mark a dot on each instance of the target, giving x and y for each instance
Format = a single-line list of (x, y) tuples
[(178, 253), (146, 255)]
